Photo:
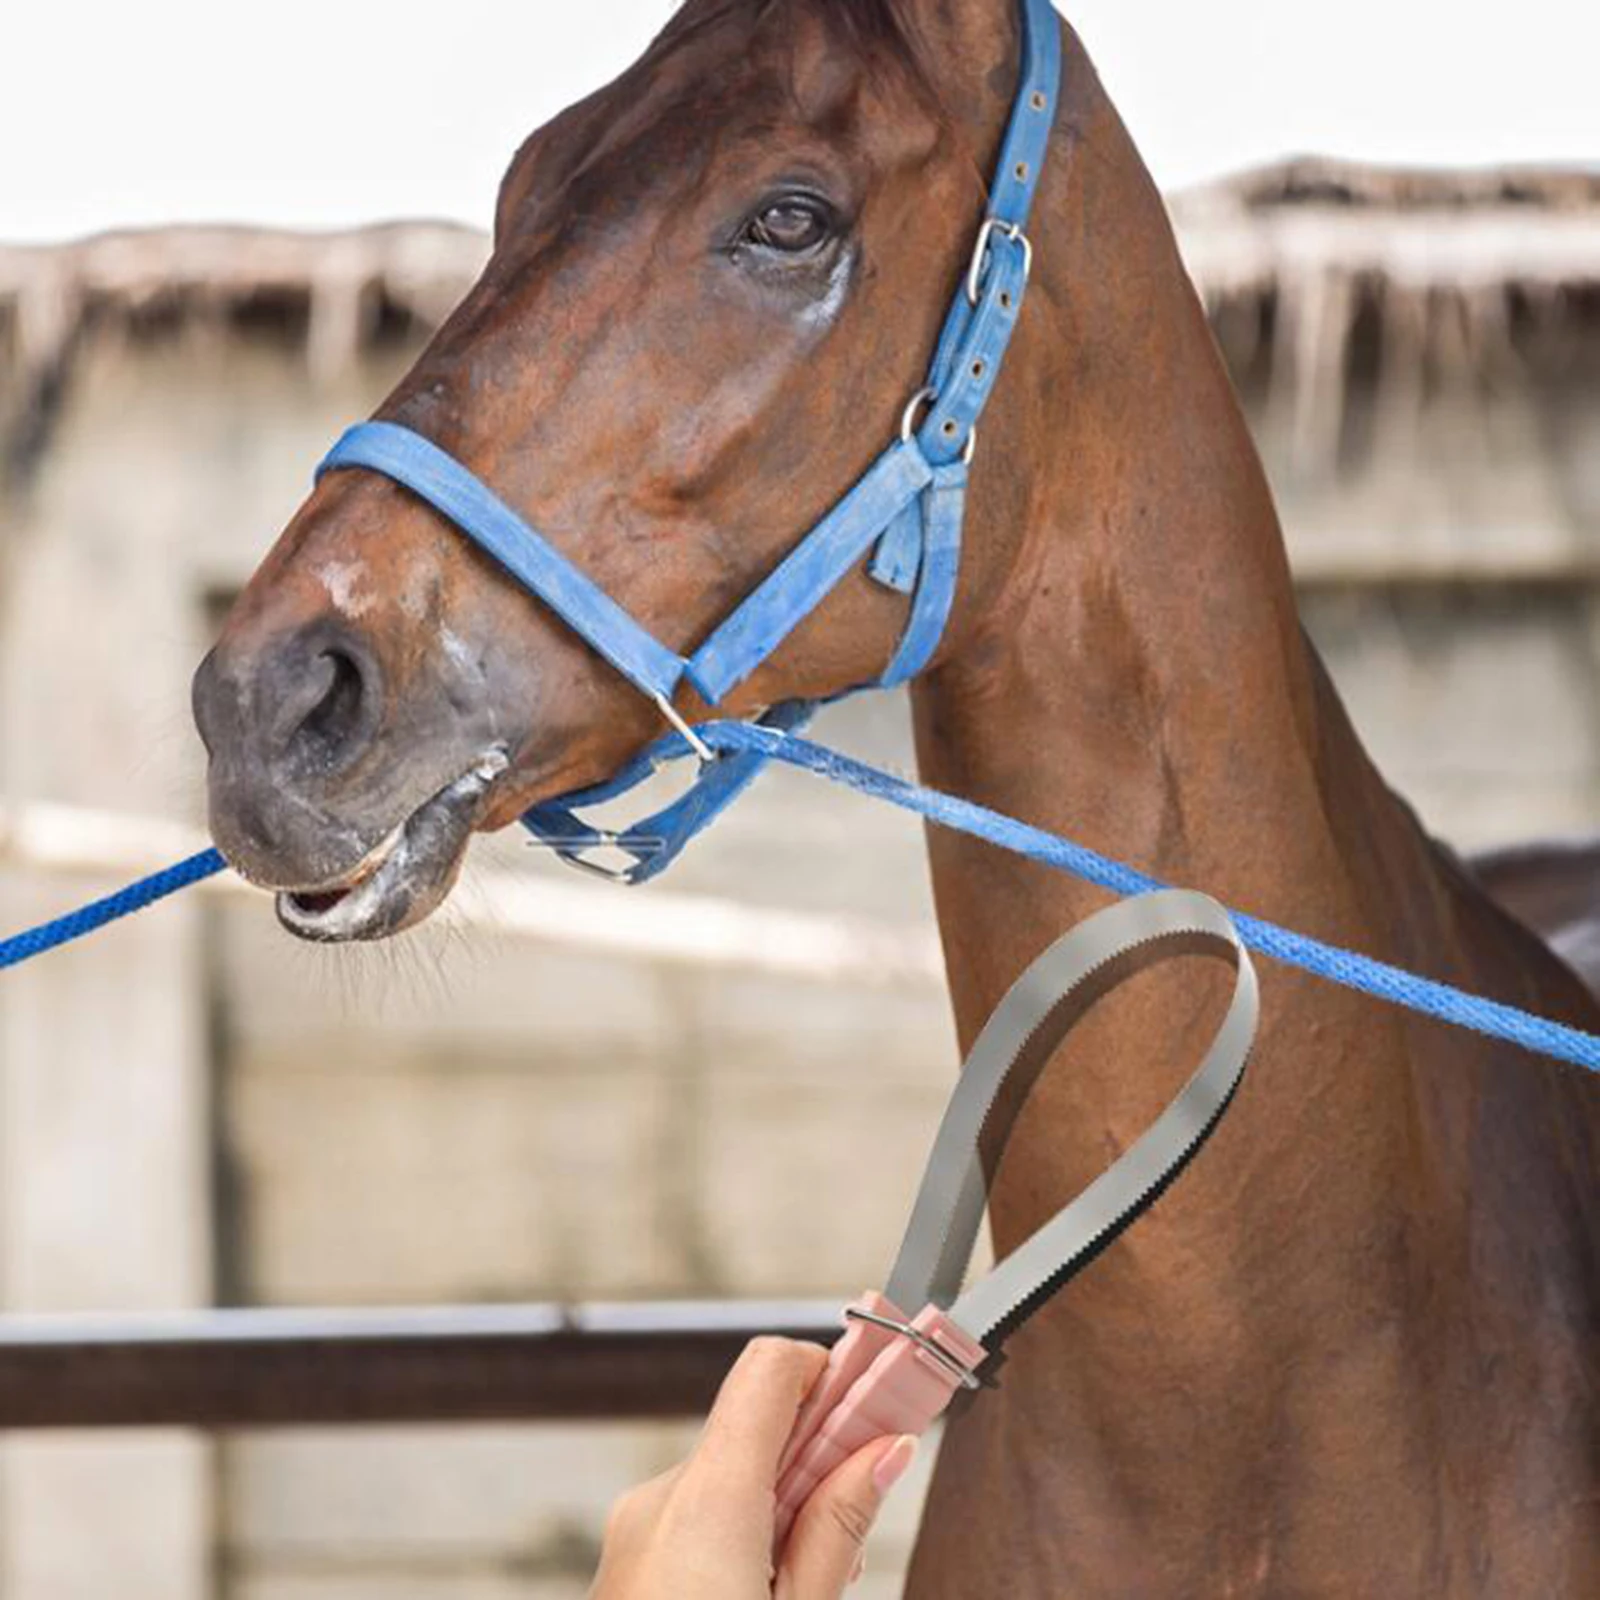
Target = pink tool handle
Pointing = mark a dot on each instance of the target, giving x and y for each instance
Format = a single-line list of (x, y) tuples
[(848, 1360), (877, 1383)]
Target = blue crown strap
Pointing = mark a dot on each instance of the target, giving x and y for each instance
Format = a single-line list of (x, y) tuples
[(975, 362), (447, 486), (1017, 172), (809, 572), (1033, 115), (954, 331), (943, 509)]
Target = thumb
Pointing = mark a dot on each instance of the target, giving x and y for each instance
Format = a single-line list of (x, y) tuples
[(823, 1556)]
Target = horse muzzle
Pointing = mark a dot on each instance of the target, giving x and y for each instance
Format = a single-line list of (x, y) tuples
[(406, 877), (309, 796)]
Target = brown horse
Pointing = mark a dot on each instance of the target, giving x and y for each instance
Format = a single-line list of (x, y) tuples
[(1355, 1351), (1556, 889)]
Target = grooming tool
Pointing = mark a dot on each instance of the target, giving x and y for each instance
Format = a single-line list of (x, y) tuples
[(907, 1352)]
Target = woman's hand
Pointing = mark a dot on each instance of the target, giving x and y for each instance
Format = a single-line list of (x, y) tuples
[(704, 1530)]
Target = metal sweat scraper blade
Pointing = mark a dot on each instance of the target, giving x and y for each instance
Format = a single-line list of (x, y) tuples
[(897, 1368)]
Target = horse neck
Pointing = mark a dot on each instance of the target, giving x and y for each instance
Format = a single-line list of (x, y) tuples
[(1130, 672)]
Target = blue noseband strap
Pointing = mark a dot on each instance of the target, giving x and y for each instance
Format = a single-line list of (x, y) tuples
[(432, 475), (907, 512)]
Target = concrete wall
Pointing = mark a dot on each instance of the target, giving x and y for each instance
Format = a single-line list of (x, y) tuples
[(196, 1107)]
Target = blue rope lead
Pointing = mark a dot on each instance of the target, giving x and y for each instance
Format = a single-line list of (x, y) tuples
[(87, 919), (1361, 973), (1353, 971)]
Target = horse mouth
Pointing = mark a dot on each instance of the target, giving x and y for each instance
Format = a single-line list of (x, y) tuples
[(405, 877)]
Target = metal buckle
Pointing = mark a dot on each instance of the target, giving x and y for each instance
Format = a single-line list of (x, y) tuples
[(571, 852), (706, 754), (965, 1376), (980, 253), (909, 422)]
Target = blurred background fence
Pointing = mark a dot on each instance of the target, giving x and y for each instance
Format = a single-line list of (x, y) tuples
[(564, 1094)]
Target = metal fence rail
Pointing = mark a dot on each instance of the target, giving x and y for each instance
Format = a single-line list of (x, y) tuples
[(248, 1369)]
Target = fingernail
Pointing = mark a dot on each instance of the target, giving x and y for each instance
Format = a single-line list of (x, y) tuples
[(891, 1467), (859, 1569)]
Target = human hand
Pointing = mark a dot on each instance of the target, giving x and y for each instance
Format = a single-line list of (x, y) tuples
[(704, 1530)]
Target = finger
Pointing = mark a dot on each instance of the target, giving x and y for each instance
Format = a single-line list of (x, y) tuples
[(824, 1552), (756, 1409)]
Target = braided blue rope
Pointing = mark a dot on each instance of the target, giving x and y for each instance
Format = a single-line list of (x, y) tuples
[(1378, 979), (1375, 978), (88, 919)]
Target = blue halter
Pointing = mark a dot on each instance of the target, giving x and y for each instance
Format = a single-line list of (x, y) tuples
[(907, 511)]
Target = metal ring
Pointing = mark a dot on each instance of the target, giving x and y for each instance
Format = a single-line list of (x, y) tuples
[(908, 424), (980, 253), (963, 1375), (970, 448), (908, 421), (695, 742)]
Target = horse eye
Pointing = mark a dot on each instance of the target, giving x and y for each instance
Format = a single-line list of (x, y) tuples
[(791, 227)]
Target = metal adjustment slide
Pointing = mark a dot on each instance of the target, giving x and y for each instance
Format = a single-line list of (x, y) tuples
[(966, 1377), (980, 254)]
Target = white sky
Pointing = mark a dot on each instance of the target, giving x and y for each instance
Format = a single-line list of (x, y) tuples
[(291, 112)]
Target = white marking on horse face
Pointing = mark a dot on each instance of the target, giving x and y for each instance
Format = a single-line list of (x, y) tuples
[(822, 312), (414, 597), (460, 653), (346, 582), (416, 589)]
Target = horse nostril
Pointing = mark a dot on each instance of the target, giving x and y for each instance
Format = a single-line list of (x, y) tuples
[(332, 708)]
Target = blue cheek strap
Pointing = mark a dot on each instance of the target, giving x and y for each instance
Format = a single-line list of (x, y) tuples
[(904, 518)]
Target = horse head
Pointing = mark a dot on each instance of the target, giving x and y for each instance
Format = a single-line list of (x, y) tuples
[(712, 288)]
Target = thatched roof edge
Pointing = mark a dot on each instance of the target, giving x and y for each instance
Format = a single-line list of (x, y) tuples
[(1313, 240)]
